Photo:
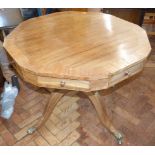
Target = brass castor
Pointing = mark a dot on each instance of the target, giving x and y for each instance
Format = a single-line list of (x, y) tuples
[(119, 138), (31, 130)]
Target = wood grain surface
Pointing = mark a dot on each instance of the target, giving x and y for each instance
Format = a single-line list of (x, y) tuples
[(77, 50)]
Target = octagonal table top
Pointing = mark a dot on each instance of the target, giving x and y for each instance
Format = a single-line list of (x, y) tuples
[(85, 47)]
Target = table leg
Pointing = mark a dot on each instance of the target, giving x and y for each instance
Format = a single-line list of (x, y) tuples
[(55, 97), (101, 111)]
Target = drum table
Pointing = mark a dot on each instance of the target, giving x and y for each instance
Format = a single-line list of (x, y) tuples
[(77, 51)]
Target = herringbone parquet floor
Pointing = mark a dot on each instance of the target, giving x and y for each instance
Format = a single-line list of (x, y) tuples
[(74, 120)]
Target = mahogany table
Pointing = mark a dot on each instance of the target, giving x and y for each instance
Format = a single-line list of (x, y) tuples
[(77, 51)]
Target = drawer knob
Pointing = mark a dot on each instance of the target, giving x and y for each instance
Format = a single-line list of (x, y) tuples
[(126, 73), (62, 83)]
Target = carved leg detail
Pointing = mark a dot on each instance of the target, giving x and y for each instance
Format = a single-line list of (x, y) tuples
[(55, 97), (101, 111)]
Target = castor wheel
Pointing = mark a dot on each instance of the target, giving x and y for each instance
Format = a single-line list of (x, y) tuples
[(119, 138), (31, 130)]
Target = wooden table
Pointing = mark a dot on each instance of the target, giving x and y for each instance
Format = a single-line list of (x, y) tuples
[(77, 51)]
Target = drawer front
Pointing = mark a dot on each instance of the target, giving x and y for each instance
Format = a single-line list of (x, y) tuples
[(63, 83), (118, 77), (135, 69), (125, 74)]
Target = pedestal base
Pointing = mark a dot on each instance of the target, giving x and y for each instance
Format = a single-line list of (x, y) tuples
[(94, 97)]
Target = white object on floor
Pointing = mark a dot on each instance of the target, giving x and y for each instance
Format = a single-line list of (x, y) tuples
[(8, 100)]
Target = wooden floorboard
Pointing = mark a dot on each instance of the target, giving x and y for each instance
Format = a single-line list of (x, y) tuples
[(130, 104)]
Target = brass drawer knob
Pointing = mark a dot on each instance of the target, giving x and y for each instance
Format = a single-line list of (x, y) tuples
[(126, 73), (62, 83)]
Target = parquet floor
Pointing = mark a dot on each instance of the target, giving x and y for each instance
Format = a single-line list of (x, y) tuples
[(74, 120)]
